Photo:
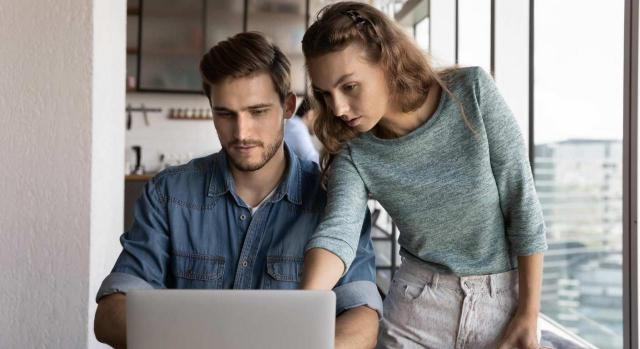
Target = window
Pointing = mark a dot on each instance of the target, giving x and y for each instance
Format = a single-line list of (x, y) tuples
[(578, 123)]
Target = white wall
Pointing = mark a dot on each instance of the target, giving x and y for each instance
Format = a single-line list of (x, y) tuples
[(178, 138), (61, 144)]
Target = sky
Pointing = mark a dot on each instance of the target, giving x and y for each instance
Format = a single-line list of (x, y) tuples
[(578, 69)]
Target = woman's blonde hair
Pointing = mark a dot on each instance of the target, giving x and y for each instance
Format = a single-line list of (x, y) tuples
[(407, 69)]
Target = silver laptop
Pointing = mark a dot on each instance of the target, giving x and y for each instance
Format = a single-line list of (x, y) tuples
[(230, 319)]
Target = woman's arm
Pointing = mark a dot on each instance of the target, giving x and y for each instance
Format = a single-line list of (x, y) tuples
[(530, 283), (522, 330), (322, 270), (525, 228), (333, 246)]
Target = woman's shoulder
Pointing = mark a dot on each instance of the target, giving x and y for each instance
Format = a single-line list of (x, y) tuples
[(464, 77)]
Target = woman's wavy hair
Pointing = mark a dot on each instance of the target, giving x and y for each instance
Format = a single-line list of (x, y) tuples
[(408, 71)]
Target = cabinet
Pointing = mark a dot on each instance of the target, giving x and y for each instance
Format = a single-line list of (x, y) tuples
[(285, 23), (167, 38), (171, 45)]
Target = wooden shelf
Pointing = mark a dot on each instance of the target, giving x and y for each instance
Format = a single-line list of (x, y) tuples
[(139, 178), (190, 119)]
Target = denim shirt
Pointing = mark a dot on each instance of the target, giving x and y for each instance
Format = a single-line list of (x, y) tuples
[(192, 231)]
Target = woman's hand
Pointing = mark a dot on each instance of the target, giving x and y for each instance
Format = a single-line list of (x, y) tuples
[(521, 332)]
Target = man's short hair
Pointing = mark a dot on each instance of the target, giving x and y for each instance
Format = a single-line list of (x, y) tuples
[(243, 55)]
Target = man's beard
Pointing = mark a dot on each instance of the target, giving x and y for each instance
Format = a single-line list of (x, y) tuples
[(269, 152)]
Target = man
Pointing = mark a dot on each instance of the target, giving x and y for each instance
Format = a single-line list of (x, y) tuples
[(296, 133), (239, 218)]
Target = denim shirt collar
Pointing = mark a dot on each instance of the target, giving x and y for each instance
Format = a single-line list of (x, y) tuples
[(291, 186)]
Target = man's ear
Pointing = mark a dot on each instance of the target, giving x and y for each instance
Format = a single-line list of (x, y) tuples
[(289, 105)]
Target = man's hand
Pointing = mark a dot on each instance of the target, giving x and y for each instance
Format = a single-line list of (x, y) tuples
[(357, 328), (110, 325), (521, 332)]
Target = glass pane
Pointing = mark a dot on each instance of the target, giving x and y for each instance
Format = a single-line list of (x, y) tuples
[(474, 36), (224, 20), (422, 34), (284, 22), (133, 14), (172, 44), (578, 163), (442, 14), (512, 58)]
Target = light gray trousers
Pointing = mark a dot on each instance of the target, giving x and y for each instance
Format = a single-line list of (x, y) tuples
[(426, 309)]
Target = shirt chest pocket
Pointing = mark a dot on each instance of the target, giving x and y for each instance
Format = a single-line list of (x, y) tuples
[(197, 270), (283, 272)]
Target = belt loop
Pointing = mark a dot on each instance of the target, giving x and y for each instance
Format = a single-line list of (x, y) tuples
[(492, 285)]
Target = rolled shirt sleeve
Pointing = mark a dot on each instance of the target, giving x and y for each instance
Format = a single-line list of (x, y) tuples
[(145, 247), (121, 283), (358, 293)]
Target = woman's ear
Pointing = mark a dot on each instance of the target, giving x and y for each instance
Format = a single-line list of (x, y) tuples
[(289, 105)]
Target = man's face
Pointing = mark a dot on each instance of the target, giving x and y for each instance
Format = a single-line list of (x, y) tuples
[(249, 119)]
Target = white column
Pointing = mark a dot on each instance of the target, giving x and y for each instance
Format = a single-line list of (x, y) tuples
[(61, 146)]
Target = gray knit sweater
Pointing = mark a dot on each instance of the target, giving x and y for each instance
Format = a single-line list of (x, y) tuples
[(464, 202)]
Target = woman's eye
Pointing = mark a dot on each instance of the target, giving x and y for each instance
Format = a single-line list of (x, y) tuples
[(350, 87)]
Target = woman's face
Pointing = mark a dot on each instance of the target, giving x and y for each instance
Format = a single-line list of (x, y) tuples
[(354, 89)]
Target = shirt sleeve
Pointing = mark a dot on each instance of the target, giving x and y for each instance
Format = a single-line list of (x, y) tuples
[(340, 227), (519, 202), (358, 286), (121, 283), (144, 257)]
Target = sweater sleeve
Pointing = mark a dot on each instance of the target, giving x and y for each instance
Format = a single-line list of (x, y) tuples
[(519, 202), (340, 227)]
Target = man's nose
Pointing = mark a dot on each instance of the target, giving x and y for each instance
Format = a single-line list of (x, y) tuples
[(243, 127)]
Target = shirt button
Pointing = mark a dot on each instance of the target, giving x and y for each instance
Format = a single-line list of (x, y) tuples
[(243, 217), (244, 264)]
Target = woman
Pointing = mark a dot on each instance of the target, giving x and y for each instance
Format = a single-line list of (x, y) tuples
[(442, 153)]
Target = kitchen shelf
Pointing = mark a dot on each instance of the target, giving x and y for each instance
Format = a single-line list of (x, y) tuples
[(190, 119), (139, 178)]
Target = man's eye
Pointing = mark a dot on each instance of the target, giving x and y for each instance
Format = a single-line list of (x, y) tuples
[(222, 114), (259, 111)]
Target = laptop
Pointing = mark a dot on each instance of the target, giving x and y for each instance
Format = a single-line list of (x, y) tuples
[(230, 319)]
